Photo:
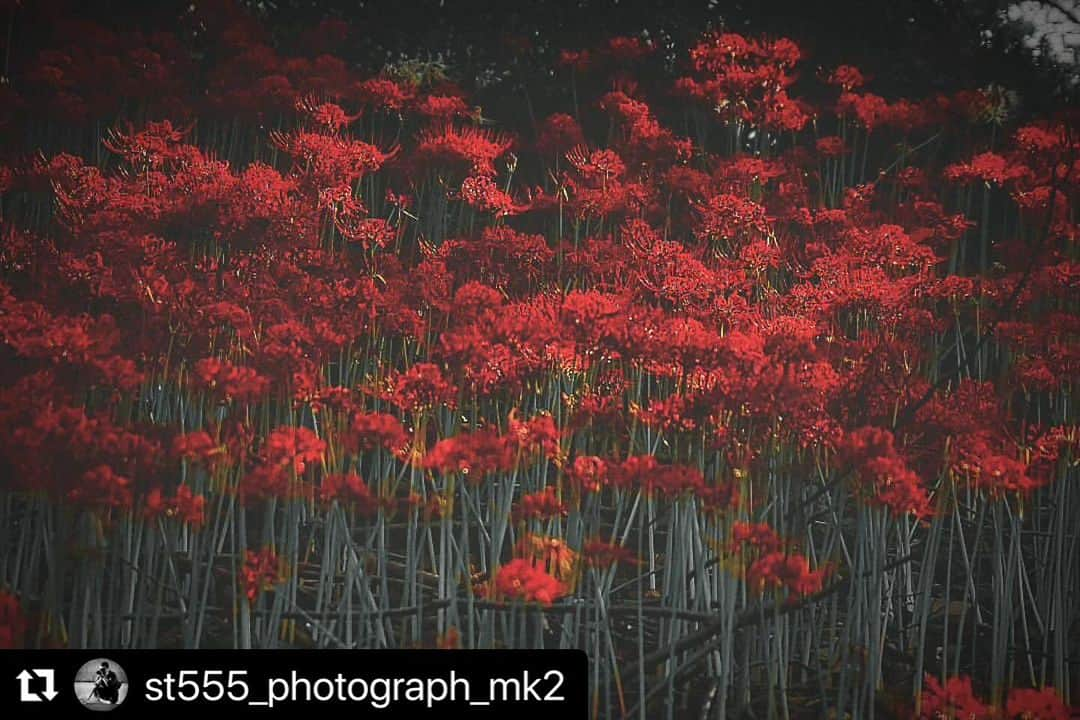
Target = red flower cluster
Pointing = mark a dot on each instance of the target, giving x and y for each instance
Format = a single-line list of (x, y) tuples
[(475, 454), (887, 479), (601, 554), (367, 291), (1044, 704), (468, 150), (199, 447), (285, 457), (759, 536), (230, 382), (261, 572), (747, 79), (350, 489), (781, 570), (521, 579), (293, 448), (422, 386), (184, 504), (13, 623), (483, 194), (956, 699), (373, 430), (540, 505)]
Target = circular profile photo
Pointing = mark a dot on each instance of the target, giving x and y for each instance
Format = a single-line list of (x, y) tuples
[(101, 685)]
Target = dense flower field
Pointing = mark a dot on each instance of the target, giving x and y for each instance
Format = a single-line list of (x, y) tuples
[(755, 385)]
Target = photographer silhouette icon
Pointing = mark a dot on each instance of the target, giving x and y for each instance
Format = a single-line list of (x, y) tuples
[(101, 685)]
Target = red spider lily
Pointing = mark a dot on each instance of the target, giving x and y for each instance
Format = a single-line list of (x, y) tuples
[(1041, 140), (191, 508), (558, 134), (891, 482), (550, 553), (185, 505), (13, 622), (600, 554), (672, 414), (978, 463), (474, 454), (627, 49), (350, 489), (242, 384), (597, 167), (733, 219), (1056, 445), (1044, 704), (472, 300), (325, 160), (588, 473), (632, 472), (780, 570), (422, 386), (719, 498), (34, 333), (872, 111), (743, 79), (372, 430), (367, 232), (327, 116), (521, 579), (759, 536), (482, 193), (102, 486), (830, 146), (540, 505), (292, 448), (643, 138), (450, 640), (847, 78), (264, 482), (954, 699), (468, 150), (579, 60), (673, 480), (443, 107), (385, 95), (261, 572), (150, 148), (398, 200), (501, 257), (988, 167), (786, 114), (86, 458), (537, 433)]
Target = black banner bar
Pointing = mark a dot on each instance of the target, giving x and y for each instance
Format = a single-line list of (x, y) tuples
[(284, 683)]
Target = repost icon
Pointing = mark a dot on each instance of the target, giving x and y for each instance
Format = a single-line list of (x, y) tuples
[(37, 685)]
